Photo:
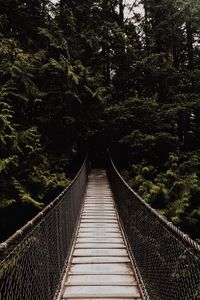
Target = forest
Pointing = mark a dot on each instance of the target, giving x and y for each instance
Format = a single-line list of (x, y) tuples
[(78, 75)]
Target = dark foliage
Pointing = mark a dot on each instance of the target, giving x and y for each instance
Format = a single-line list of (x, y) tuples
[(98, 74)]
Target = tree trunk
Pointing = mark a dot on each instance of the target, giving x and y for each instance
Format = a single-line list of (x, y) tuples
[(146, 26), (122, 55), (190, 50), (121, 12), (176, 57)]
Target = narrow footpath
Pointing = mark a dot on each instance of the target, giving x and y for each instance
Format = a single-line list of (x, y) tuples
[(100, 267)]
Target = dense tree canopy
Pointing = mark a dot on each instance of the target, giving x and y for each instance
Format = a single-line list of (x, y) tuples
[(118, 74)]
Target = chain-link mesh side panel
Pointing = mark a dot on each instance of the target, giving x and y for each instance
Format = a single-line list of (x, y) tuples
[(168, 261), (32, 264)]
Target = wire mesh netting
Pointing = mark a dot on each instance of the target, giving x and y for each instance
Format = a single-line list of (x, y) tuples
[(33, 260), (168, 262)]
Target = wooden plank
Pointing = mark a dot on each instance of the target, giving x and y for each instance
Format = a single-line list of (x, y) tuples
[(85, 221), (102, 298), (112, 268), (97, 210), (99, 224), (99, 205), (99, 227), (94, 193), (100, 211), (101, 291), (90, 209), (98, 230), (99, 259), (100, 280), (104, 221), (101, 217), (100, 252), (99, 245), (101, 200), (99, 197), (91, 191), (107, 213), (90, 234), (100, 240), (104, 191), (94, 215)]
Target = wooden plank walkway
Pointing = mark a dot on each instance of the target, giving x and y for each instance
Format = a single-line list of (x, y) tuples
[(100, 267)]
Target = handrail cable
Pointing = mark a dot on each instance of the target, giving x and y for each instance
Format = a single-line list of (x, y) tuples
[(167, 259)]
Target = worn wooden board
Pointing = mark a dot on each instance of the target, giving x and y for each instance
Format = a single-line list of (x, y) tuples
[(100, 240), (100, 252), (99, 205), (99, 213), (102, 298), (101, 280), (105, 221), (101, 234), (101, 291), (99, 223), (99, 245), (94, 215), (99, 197), (100, 259), (102, 217), (98, 230), (107, 268), (99, 209)]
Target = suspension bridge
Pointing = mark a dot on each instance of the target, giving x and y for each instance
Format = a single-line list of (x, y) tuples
[(99, 240)]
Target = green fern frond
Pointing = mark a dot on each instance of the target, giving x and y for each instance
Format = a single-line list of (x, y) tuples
[(6, 202), (25, 196), (6, 162)]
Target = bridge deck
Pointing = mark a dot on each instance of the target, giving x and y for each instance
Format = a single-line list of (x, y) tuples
[(100, 266)]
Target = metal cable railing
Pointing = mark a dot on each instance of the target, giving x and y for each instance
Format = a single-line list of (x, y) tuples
[(33, 260), (167, 260)]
